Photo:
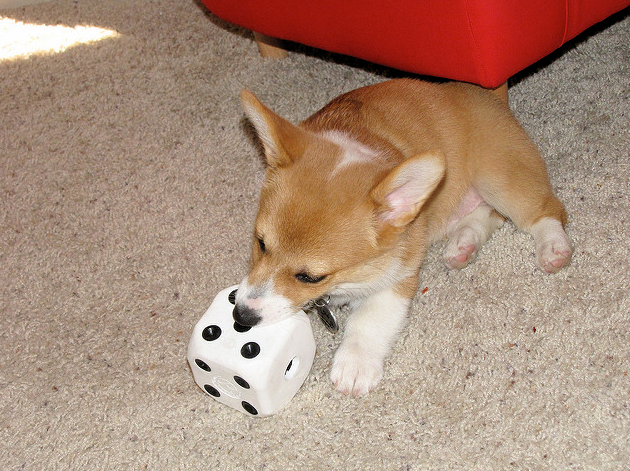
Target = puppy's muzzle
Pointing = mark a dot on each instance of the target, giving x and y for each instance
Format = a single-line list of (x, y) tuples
[(246, 316)]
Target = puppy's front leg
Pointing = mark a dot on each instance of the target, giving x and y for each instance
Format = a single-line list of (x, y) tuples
[(369, 336)]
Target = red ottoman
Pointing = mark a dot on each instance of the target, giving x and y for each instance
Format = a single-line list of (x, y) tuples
[(479, 41)]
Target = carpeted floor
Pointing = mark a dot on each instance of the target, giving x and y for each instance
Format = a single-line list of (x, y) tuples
[(128, 186)]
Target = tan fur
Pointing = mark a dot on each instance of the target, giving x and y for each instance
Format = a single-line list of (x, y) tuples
[(369, 224)]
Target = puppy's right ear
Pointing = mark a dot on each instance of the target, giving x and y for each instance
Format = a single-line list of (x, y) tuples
[(283, 142)]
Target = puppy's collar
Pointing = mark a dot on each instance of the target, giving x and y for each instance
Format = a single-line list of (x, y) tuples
[(325, 313)]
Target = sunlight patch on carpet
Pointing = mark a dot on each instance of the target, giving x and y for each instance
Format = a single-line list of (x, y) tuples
[(20, 40)]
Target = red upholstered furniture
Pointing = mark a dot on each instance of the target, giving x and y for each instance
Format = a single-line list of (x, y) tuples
[(479, 41)]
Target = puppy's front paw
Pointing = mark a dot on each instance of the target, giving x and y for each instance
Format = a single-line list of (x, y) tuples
[(355, 371)]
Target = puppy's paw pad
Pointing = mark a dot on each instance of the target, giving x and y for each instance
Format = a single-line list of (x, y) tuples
[(461, 249), (355, 371), (553, 246), (554, 255), (552, 259)]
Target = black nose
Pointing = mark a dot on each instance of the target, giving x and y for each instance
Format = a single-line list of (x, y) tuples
[(245, 316)]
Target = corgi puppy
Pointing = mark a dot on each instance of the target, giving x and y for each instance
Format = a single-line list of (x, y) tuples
[(355, 194)]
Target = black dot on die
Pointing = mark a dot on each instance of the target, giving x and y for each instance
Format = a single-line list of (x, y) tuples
[(232, 297), (203, 365), (249, 408), (250, 350), (241, 382), (212, 332), (241, 328), (212, 391)]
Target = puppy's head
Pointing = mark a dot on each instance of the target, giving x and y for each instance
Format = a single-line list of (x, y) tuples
[(322, 225)]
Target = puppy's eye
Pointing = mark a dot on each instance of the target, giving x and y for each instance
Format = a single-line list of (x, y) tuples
[(306, 278), (261, 244)]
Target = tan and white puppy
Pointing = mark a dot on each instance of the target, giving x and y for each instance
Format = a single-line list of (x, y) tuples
[(355, 195)]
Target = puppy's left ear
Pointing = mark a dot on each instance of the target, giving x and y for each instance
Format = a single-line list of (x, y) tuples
[(401, 194)]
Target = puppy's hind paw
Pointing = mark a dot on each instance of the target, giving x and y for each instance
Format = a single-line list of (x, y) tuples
[(459, 256), (355, 372), (554, 256), (467, 235), (553, 246)]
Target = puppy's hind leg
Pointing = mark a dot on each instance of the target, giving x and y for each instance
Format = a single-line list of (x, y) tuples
[(516, 184), (468, 231)]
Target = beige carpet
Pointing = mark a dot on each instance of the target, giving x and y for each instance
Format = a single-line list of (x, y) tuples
[(128, 186)]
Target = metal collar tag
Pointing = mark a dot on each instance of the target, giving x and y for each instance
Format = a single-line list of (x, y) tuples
[(326, 315)]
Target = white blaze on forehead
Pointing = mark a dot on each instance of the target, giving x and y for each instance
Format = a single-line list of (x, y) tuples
[(353, 151)]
